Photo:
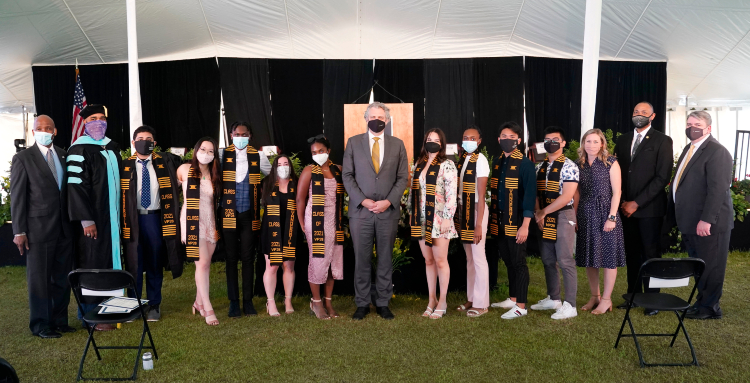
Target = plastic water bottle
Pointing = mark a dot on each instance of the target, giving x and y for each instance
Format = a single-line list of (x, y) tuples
[(148, 361)]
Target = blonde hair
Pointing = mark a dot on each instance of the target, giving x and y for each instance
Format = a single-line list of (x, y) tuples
[(603, 152)]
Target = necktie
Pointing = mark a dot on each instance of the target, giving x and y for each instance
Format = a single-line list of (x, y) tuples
[(687, 161), (145, 185), (635, 146), (52, 167), (376, 154)]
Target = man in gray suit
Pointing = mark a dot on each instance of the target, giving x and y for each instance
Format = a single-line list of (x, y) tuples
[(375, 176), (701, 206)]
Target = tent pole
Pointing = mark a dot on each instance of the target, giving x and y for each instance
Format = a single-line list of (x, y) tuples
[(591, 36), (134, 86)]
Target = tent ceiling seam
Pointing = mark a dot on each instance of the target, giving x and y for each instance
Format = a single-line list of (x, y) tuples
[(205, 19), (434, 30), (10, 91), (633, 29), (289, 28), (82, 31), (721, 61), (513, 31)]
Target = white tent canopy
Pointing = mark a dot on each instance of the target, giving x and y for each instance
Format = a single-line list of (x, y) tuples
[(705, 42)]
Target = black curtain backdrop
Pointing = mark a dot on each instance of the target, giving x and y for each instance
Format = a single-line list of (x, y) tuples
[(553, 96), (498, 96), (623, 84), (343, 82), (181, 100), (296, 87), (102, 84), (247, 96), (403, 79), (449, 96)]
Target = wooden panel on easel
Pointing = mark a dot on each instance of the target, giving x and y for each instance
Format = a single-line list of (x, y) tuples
[(401, 126)]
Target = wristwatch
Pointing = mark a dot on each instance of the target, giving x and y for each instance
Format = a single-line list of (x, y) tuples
[(612, 218)]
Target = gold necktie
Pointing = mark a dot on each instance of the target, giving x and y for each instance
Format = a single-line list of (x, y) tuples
[(376, 155), (687, 161)]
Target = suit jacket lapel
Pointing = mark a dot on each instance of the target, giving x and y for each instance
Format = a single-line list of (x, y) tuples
[(388, 150), (645, 142), (366, 148), (41, 162), (695, 156)]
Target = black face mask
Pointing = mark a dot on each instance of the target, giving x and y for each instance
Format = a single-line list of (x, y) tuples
[(641, 121), (694, 133), (432, 147), (551, 146), (144, 147), (376, 126), (508, 145)]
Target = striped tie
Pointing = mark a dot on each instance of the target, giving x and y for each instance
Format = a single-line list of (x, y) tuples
[(145, 185), (687, 160), (52, 167)]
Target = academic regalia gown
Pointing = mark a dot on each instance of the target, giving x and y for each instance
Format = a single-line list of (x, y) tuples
[(94, 195)]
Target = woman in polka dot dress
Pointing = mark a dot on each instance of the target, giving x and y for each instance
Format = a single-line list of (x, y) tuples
[(599, 243)]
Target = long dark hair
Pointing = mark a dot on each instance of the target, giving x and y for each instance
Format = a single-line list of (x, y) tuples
[(423, 155), (270, 180), (213, 166)]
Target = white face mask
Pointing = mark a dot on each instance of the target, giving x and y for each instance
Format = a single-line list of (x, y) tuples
[(205, 158), (283, 172), (321, 158)]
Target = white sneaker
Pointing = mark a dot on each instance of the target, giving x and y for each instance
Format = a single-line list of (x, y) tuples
[(565, 312), (547, 304), (506, 304), (514, 313)]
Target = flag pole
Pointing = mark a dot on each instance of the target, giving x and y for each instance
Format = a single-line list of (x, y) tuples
[(134, 86)]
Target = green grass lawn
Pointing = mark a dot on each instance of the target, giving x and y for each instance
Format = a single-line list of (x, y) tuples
[(300, 348)]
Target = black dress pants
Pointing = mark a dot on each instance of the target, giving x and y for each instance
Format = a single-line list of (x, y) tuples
[(240, 244), (642, 242), (713, 250), (47, 267), (514, 256)]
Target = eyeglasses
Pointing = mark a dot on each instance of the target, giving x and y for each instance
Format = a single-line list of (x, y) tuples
[(552, 139), (318, 137)]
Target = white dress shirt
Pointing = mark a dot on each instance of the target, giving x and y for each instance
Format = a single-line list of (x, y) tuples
[(241, 171), (682, 164), (381, 143), (635, 137), (155, 200)]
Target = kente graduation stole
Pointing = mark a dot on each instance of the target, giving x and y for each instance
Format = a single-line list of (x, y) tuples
[(283, 234), (465, 218), (429, 206), (229, 166), (318, 207), (511, 216), (548, 189), (168, 225), (192, 212)]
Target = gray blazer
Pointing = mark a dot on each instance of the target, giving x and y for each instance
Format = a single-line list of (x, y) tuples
[(703, 193), (361, 181)]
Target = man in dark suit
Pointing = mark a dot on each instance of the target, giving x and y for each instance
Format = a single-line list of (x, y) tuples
[(645, 157), (701, 206), (375, 175), (42, 230)]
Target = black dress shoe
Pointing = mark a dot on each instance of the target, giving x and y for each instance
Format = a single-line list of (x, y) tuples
[(624, 305), (385, 312), (650, 312), (704, 314), (361, 313), (65, 329), (248, 308), (48, 334), (234, 309)]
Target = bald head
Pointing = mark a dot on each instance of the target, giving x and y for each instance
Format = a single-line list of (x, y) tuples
[(44, 123), (643, 109)]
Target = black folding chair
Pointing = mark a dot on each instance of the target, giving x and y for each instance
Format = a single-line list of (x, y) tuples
[(665, 269), (7, 372), (107, 280)]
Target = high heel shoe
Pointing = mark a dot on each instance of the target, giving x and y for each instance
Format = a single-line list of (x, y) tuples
[(209, 321), (333, 312), (434, 314), (322, 315), (198, 307), (597, 311), (592, 302), (428, 312), (268, 303), (288, 311)]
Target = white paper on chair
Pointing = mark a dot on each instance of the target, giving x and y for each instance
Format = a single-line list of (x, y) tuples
[(123, 303), (540, 148), (113, 310), (658, 283), (108, 293)]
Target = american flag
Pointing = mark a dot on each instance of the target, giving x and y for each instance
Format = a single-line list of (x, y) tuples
[(79, 102)]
